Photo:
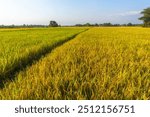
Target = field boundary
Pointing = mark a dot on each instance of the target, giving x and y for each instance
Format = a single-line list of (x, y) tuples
[(9, 76)]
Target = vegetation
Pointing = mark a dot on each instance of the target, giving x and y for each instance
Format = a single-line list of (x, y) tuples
[(101, 63), (146, 17), (53, 24), (106, 25), (20, 47), (23, 26)]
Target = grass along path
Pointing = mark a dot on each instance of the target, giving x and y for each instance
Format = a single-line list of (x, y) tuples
[(102, 63)]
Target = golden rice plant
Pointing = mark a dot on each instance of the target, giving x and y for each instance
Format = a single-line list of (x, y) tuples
[(101, 63)]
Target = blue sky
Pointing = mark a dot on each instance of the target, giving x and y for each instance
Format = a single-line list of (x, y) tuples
[(68, 12)]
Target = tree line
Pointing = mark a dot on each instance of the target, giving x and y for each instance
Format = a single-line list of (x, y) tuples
[(22, 26), (106, 24), (55, 24), (51, 24)]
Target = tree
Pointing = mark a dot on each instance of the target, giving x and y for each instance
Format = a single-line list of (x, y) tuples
[(96, 24), (146, 17), (87, 24), (79, 25), (53, 24), (107, 24), (129, 24)]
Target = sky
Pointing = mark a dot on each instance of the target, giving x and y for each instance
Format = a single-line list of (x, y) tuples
[(70, 12)]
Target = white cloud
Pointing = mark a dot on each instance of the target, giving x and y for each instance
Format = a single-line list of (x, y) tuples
[(129, 13)]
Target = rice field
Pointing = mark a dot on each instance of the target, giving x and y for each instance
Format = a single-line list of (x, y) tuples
[(19, 47), (98, 64)]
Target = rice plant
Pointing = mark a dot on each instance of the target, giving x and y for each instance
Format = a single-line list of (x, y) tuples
[(101, 63)]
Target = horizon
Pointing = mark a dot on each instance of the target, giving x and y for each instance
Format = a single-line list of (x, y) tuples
[(70, 12), (7, 25)]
